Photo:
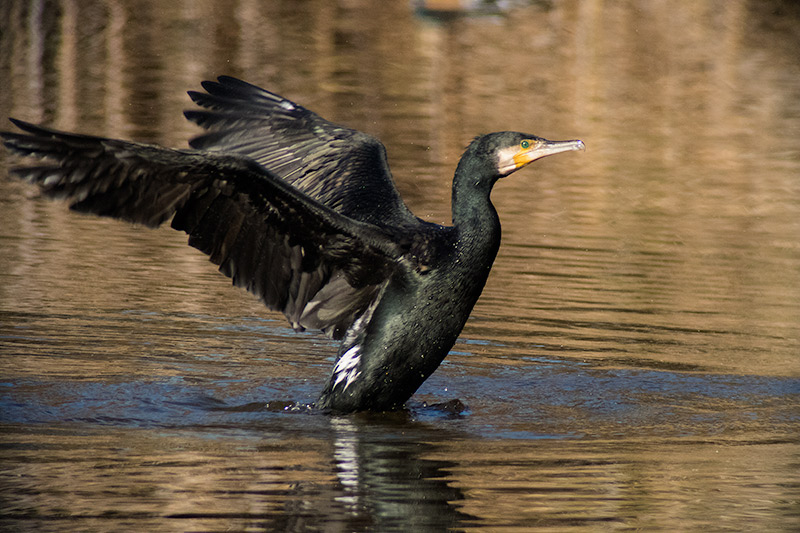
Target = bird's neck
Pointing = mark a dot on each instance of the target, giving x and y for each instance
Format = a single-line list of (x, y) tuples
[(473, 212)]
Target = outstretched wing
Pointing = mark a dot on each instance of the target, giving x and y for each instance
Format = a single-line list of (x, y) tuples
[(341, 168), (320, 268)]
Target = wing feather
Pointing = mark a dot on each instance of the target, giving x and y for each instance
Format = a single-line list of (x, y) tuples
[(317, 266), (341, 168)]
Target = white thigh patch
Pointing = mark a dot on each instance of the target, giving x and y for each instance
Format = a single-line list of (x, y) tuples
[(346, 368)]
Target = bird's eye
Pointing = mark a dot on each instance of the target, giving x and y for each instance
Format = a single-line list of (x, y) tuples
[(525, 145)]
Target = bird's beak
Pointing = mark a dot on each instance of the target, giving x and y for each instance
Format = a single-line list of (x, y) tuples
[(542, 148)]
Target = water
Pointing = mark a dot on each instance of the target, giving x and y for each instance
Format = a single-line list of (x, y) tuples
[(633, 361)]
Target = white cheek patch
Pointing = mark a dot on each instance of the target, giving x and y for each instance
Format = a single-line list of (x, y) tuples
[(505, 160), (346, 368)]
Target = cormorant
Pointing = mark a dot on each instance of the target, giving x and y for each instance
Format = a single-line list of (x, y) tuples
[(304, 214)]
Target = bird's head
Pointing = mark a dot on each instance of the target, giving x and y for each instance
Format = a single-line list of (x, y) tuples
[(515, 150), (511, 150), (497, 155)]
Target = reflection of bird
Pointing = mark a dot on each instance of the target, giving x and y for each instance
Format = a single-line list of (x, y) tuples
[(304, 214)]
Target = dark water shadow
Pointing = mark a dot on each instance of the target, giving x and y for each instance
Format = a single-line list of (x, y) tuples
[(383, 481)]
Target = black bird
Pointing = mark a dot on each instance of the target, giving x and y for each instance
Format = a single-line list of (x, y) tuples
[(304, 214)]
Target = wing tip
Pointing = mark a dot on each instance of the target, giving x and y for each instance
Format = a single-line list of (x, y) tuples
[(224, 85), (24, 125), (230, 87), (27, 141)]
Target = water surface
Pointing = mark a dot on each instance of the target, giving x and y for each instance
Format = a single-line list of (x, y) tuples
[(632, 363)]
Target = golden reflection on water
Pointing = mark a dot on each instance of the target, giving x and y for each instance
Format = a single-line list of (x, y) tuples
[(645, 304), (683, 212), (158, 482)]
